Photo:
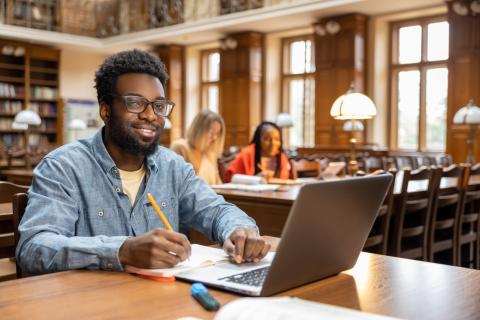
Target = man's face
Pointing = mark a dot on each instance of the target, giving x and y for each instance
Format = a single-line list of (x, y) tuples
[(136, 133)]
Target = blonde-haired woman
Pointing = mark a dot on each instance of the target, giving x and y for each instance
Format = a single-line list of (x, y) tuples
[(203, 146)]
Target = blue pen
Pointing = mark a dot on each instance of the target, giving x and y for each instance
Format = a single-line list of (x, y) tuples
[(200, 293)]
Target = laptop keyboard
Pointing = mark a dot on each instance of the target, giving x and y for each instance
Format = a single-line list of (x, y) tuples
[(253, 278)]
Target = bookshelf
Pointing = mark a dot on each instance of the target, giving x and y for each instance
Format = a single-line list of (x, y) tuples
[(29, 80)]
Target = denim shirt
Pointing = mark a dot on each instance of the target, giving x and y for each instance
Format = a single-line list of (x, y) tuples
[(78, 216)]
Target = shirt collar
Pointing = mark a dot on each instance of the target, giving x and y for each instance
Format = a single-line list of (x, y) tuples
[(105, 160)]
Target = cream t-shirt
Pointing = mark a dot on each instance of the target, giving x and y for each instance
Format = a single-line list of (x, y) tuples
[(131, 181)]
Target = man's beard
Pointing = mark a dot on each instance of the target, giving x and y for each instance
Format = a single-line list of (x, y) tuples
[(128, 141)]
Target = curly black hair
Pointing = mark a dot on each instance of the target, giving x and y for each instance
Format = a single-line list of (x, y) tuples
[(131, 61)]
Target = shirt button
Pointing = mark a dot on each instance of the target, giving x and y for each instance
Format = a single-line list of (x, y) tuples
[(100, 213), (164, 204), (118, 189)]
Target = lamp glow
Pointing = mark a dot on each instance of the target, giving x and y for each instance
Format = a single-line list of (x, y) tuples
[(353, 106), (28, 117), (284, 120)]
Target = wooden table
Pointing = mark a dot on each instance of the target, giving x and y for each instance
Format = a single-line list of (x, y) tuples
[(270, 209), (379, 284), (18, 176)]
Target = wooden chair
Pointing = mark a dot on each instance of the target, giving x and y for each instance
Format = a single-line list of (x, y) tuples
[(447, 208), (468, 250), (444, 160), (305, 168), (423, 160), (389, 163), (412, 210), (7, 226), (377, 241), (373, 163), (20, 201), (405, 162)]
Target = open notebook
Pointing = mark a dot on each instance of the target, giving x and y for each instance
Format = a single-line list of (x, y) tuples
[(201, 256)]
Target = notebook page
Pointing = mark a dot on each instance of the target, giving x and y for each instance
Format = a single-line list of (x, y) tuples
[(289, 308)]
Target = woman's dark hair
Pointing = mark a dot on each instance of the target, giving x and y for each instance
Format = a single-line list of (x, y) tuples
[(132, 61), (258, 147)]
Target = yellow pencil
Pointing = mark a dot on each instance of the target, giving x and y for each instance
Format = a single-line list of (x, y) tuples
[(159, 212)]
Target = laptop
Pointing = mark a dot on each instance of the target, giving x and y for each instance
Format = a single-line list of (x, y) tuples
[(326, 229)]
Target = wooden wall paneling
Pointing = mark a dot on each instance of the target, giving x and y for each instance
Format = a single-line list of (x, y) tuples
[(464, 77), (173, 56), (240, 86), (340, 60)]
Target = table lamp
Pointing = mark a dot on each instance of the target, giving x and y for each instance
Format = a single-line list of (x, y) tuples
[(76, 125), (284, 120), (27, 118), (353, 106), (469, 115)]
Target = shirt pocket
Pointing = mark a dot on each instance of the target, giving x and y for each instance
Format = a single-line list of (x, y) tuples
[(169, 208), (106, 221)]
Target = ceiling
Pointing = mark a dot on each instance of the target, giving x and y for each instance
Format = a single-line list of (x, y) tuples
[(292, 15)]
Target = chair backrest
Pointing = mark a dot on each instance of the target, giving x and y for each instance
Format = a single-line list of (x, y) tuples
[(373, 163), (447, 209), (305, 168), (444, 160), (7, 243), (424, 161), (405, 162), (223, 163), (378, 238), (19, 204), (418, 205)]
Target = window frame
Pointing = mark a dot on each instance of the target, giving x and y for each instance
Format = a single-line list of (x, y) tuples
[(287, 77), (206, 84), (422, 66)]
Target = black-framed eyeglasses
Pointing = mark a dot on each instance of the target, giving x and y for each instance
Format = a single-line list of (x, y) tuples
[(138, 104)]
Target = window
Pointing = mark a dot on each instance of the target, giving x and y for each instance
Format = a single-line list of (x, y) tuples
[(298, 81), (210, 76), (419, 84)]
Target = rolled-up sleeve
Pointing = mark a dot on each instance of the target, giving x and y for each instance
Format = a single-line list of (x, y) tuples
[(48, 241), (202, 209)]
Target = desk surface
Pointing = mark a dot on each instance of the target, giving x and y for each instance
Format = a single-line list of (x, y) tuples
[(379, 284), (287, 194)]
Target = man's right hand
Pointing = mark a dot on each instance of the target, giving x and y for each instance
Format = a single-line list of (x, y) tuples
[(158, 248)]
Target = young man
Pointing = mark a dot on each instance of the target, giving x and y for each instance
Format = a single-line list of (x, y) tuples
[(87, 205)]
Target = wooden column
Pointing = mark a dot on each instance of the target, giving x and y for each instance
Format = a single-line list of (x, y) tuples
[(241, 74), (173, 56), (464, 77), (339, 60)]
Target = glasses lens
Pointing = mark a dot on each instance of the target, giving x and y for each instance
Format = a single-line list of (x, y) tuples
[(134, 104), (163, 107)]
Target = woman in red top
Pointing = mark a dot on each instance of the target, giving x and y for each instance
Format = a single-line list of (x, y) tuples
[(264, 156)]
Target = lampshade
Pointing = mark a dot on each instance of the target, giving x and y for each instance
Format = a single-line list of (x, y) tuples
[(19, 126), (358, 126), (28, 117), (284, 120), (77, 124), (470, 114), (353, 105), (168, 124)]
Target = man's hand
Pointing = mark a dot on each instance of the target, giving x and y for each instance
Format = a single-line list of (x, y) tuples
[(245, 245), (158, 248)]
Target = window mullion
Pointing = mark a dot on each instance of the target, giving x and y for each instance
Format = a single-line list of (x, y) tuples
[(422, 134)]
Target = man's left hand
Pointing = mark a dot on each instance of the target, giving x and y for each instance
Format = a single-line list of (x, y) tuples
[(245, 245)]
